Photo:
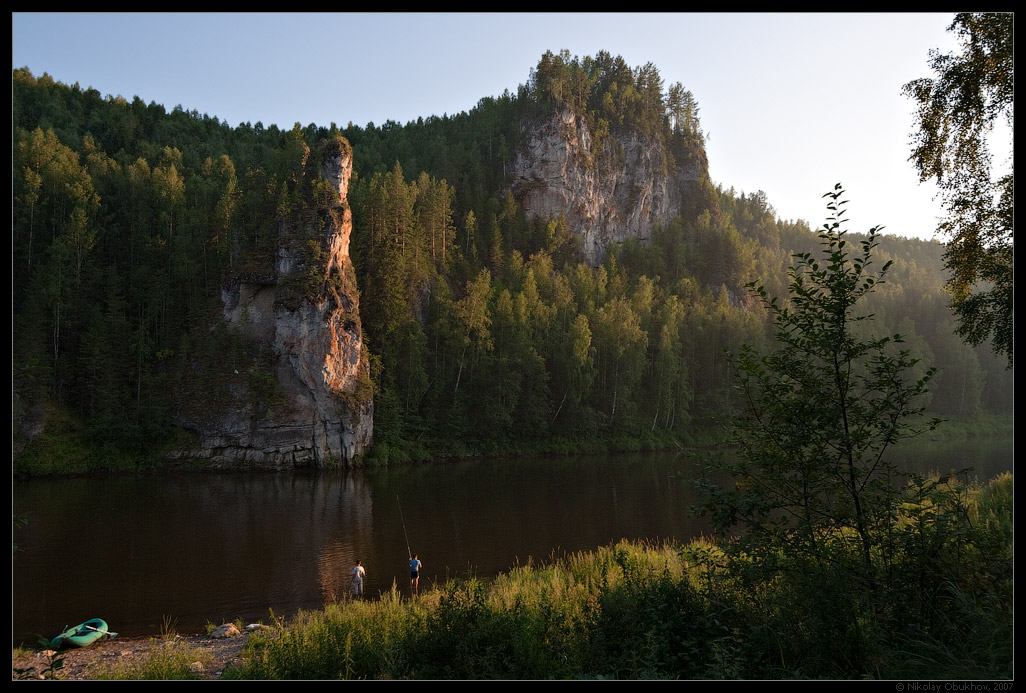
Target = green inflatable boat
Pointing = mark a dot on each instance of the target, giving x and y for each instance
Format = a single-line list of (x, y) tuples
[(83, 634)]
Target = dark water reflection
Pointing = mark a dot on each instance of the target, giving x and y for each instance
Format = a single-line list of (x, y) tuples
[(198, 548)]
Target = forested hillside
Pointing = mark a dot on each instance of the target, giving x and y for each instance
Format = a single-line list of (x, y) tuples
[(487, 330)]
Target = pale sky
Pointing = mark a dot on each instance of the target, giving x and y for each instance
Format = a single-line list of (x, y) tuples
[(793, 103)]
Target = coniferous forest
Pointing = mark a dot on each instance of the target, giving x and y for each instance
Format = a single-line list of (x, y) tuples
[(488, 332), (808, 347)]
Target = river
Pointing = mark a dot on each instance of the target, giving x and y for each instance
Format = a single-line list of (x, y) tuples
[(151, 551)]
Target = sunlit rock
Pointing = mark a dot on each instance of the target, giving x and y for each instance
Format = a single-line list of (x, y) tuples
[(300, 393)]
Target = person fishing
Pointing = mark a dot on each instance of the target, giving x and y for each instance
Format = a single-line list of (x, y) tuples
[(356, 588), (415, 566)]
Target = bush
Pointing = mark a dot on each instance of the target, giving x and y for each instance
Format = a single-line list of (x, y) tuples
[(635, 611)]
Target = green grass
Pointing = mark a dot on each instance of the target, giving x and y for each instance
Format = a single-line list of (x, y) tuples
[(641, 611), (170, 660)]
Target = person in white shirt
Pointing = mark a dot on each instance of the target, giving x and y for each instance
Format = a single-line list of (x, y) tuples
[(358, 575)]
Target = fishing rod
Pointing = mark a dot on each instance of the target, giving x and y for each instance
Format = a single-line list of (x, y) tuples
[(404, 525)]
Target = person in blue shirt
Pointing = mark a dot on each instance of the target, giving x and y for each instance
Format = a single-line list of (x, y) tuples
[(415, 566)]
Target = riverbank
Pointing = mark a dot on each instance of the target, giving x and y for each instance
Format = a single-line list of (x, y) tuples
[(58, 455), (199, 657), (636, 610)]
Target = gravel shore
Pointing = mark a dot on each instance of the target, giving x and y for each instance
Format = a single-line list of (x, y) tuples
[(81, 664)]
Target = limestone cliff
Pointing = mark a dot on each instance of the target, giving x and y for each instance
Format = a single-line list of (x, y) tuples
[(610, 191), (291, 386)]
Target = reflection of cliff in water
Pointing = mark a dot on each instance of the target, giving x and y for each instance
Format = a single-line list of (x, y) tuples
[(203, 548), (346, 506), (193, 548)]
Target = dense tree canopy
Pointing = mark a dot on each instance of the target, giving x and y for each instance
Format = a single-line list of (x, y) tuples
[(956, 113), (487, 331)]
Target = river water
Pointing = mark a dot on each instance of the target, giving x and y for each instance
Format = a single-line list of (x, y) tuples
[(145, 552)]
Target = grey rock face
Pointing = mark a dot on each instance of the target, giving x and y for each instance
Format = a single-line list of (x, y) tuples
[(322, 412), (616, 190)]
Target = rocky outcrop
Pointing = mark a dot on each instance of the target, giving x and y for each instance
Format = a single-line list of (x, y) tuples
[(618, 189), (296, 391)]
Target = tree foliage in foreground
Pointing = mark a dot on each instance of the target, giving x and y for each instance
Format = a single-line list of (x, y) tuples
[(821, 411), (956, 114)]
